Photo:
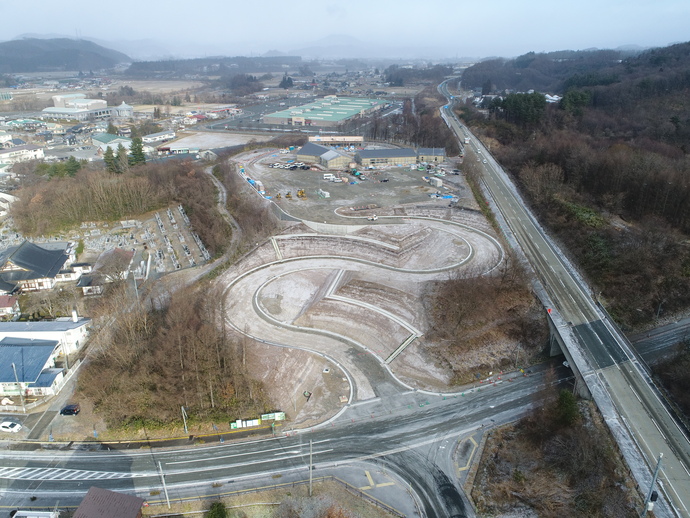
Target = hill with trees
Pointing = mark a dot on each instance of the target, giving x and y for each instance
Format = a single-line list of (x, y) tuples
[(545, 72), (607, 170), (42, 55)]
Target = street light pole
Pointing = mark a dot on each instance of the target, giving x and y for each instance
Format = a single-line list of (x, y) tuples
[(21, 392), (651, 487), (310, 465), (165, 488)]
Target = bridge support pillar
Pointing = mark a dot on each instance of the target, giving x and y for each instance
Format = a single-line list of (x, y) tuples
[(556, 348)]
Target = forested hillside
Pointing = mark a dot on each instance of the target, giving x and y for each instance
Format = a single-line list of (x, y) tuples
[(37, 55), (545, 72), (608, 171)]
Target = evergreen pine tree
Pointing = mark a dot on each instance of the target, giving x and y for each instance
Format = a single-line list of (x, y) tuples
[(136, 152), (122, 159), (72, 166), (109, 159)]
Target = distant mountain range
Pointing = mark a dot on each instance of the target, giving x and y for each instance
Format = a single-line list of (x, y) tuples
[(50, 52), (56, 54)]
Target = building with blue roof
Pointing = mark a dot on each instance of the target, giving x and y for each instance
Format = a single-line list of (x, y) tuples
[(28, 367)]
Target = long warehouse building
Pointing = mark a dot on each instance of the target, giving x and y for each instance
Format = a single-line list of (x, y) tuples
[(327, 112)]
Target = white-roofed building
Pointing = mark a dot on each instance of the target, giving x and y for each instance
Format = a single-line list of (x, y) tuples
[(21, 154), (70, 332), (161, 136)]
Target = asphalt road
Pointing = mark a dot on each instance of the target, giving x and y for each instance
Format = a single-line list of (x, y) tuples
[(660, 343), (606, 354), (410, 434)]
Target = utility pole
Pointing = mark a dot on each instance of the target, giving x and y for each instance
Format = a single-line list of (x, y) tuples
[(310, 466), (165, 488), (21, 392), (650, 494)]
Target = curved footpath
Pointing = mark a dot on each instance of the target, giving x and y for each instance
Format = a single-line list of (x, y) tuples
[(244, 290)]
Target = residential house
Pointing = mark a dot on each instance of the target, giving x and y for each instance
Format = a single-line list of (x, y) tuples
[(29, 267), (112, 265), (14, 142), (102, 503), (21, 154), (70, 332), (91, 285), (9, 306), (5, 201), (28, 367)]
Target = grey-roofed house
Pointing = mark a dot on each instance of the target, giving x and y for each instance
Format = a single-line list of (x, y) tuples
[(102, 503), (28, 366), (29, 267), (399, 156), (88, 153), (431, 154)]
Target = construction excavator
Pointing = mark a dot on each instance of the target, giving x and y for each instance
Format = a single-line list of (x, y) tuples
[(301, 194)]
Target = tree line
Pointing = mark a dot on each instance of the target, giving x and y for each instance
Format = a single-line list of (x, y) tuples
[(151, 362), (48, 206), (420, 124), (611, 180)]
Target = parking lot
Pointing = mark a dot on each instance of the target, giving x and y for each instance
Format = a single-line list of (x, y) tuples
[(384, 187)]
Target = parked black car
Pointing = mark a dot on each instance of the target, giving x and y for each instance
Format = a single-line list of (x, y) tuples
[(70, 410)]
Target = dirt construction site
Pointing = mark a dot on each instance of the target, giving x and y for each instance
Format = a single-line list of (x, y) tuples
[(333, 303)]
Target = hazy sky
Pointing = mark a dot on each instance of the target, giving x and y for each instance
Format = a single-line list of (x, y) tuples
[(454, 28)]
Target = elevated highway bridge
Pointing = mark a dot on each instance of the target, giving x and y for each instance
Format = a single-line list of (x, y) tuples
[(606, 367)]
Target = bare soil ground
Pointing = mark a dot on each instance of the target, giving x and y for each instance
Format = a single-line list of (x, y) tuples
[(157, 86), (374, 307), (204, 140), (261, 504)]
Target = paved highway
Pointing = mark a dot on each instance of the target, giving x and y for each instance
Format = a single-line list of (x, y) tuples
[(608, 361), (659, 344), (410, 434)]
